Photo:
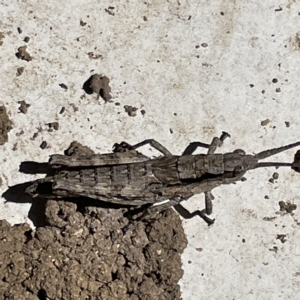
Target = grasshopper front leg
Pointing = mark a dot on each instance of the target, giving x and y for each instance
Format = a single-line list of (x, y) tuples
[(217, 142)]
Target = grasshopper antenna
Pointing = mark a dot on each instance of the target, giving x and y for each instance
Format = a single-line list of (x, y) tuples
[(273, 164), (271, 152), (295, 165)]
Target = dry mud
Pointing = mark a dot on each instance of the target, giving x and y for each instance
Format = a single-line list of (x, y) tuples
[(91, 253)]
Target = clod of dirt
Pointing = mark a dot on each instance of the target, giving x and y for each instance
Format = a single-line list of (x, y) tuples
[(287, 207), (100, 85), (281, 237), (265, 122), (94, 56), (82, 23), (43, 145), (130, 110), (88, 253), (1, 38), (62, 110), (274, 249), (20, 71), (295, 42), (78, 150), (53, 125), (20, 133), (63, 86), (110, 10), (23, 106), (287, 124), (5, 125), (23, 54)]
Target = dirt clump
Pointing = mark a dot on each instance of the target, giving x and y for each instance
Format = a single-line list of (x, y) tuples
[(5, 125), (98, 84), (76, 149), (23, 54), (92, 253), (130, 110), (23, 106), (1, 38), (20, 71)]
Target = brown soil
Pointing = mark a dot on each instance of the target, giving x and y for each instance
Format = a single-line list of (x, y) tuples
[(100, 85), (5, 125), (130, 110), (90, 253), (23, 54)]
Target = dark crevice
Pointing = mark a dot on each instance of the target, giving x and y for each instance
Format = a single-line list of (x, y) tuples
[(42, 294)]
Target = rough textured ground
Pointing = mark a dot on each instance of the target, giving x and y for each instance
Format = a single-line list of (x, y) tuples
[(89, 253), (192, 69)]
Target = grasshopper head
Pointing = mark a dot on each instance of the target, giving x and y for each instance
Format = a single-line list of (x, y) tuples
[(238, 162)]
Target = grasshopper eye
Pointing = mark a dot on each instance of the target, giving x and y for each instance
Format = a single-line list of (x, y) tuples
[(237, 170), (239, 151)]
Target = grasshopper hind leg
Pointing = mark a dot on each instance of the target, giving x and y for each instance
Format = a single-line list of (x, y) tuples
[(149, 210), (200, 213)]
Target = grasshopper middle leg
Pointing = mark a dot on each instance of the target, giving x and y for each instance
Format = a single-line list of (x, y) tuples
[(155, 144), (216, 142)]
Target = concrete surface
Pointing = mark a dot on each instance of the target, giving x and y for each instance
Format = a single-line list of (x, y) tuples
[(197, 68)]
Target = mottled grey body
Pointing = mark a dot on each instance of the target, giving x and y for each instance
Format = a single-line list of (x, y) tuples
[(131, 178), (135, 183)]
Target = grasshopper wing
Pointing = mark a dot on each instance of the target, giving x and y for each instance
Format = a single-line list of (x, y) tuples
[(97, 160)]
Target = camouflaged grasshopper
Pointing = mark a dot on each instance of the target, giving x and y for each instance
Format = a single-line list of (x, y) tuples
[(127, 177)]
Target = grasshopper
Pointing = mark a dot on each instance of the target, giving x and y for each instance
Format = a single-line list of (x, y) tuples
[(127, 177)]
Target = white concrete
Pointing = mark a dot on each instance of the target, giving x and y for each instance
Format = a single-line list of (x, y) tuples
[(249, 43)]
